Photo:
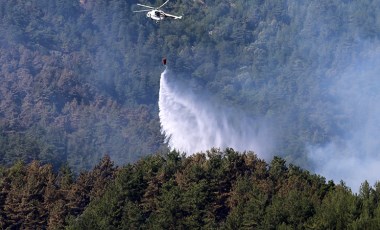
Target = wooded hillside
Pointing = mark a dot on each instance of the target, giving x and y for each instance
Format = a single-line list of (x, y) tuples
[(80, 79), (228, 190), (217, 189), (33, 196), (66, 92)]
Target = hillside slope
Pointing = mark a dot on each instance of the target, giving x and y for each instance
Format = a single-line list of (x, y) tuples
[(227, 190), (81, 79), (218, 189), (63, 98)]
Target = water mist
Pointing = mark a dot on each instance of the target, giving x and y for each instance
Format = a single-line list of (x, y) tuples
[(194, 123)]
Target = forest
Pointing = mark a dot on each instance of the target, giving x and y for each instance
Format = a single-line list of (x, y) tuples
[(212, 190), (80, 137), (80, 79)]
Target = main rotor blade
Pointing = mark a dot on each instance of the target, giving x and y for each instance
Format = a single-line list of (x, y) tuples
[(150, 7), (136, 11), (162, 5)]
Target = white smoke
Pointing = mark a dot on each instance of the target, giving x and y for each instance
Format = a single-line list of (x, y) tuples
[(355, 156), (194, 123)]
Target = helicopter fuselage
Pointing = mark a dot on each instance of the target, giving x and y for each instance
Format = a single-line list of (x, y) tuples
[(156, 15)]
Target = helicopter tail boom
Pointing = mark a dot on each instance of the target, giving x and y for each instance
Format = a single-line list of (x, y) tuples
[(136, 11)]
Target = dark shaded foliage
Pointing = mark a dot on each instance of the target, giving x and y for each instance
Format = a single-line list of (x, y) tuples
[(216, 189), (226, 190), (34, 197)]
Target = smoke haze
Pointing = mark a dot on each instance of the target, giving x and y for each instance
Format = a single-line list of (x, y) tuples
[(354, 156), (194, 123), (309, 74)]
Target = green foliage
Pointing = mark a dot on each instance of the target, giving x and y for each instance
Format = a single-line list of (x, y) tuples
[(34, 197), (337, 209), (226, 190), (68, 94), (80, 79)]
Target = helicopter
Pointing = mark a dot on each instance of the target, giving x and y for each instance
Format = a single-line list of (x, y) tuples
[(157, 14)]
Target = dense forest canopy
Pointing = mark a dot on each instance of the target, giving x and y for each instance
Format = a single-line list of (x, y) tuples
[(79, 86), (228, 190), (213, 190), (68, 92), (80, 79)]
